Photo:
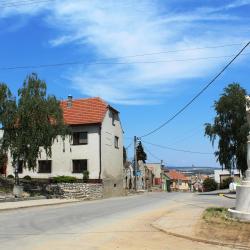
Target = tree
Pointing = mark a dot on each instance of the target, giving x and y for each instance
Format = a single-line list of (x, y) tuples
[(141, 155), (231, 128), (209, 184), (32, 123), (124, 155)]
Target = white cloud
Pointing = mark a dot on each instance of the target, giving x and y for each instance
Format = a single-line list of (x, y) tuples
[(120, 29)]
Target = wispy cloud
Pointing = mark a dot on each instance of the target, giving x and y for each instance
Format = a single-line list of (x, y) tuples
[(119, 29)]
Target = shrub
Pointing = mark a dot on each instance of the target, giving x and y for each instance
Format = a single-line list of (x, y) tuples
[(66, 179), (27, 178), (225, 183), (85, 175), (209, 184), (10, 176)]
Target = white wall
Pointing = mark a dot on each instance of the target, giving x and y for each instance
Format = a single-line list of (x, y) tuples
[(112, 158), (62, 161), (218, 173)]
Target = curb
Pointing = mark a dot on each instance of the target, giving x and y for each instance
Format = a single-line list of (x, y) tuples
[(40, 205), (210, 242)]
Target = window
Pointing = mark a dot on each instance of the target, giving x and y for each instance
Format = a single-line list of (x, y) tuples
[(112, 114), (79, 166), (80, 138), (116, 142), (44, 167), (179, 182)]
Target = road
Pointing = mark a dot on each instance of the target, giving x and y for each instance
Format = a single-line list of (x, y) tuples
[(115, 223)]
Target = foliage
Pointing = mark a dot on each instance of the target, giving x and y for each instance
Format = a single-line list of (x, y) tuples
[(27, 178), (226, 182), (231, 128), (32, 123), (85, 175), (10, 176), (3, 160), (141, 155), (64, 179), (215, 212), (209, 184), (124, 155)]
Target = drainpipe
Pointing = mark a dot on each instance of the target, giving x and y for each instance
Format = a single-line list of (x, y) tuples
[(100, 151)]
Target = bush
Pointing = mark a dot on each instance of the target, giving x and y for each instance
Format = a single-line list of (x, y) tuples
[(66, 179), (10, 176), (85, 175), (209, 184), (27, 178), (225, 183)]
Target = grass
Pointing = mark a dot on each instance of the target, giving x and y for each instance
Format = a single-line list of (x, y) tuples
[(5, 190), (220, 215)]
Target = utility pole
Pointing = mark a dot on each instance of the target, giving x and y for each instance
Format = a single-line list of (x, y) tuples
[(135, 163)]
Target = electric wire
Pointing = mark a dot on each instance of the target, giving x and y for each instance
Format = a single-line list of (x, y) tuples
[(22, 3), (196, 96), (177, 149), (106, 60)]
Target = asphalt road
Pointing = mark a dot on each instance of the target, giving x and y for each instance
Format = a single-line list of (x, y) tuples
[(32, 227)]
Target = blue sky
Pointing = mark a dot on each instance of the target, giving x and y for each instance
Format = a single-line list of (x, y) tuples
[(146, 93)]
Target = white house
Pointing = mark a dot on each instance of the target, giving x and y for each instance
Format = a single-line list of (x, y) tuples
[(96, 145), (220, 175)]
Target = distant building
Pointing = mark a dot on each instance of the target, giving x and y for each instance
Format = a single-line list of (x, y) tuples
[(220, 175), (173, 180), (156, 171)]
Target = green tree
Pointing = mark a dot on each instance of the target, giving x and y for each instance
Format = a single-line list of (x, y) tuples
[(141, 155), (32, 123), (124, 155), (231, 128), (209, 184)]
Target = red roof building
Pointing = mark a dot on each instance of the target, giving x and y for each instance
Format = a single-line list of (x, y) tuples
[(84, 111), (175, 175)]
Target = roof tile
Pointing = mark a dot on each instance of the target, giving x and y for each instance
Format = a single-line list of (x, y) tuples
[(84, 111)]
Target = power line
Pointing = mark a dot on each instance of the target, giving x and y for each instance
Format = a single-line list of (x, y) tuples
[(22, 3), (197, 95), (157, 158), (176, 149), (105, 61)]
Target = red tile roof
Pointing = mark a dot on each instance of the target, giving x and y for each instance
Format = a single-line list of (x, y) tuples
[(174, 175), (84, 111)]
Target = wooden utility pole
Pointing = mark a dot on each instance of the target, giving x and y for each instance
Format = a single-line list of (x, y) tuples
[(135, 163)]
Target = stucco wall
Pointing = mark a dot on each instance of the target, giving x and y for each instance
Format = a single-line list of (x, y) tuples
[(63, 152), (112, 157)]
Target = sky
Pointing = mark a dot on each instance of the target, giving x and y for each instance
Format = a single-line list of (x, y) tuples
[(146, 58)]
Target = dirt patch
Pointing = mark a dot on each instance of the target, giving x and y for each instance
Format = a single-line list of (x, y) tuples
[(216, 225)]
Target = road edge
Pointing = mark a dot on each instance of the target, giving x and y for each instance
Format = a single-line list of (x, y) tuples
[(210, 242)]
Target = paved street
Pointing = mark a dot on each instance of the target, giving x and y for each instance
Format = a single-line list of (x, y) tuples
[(123, 223)]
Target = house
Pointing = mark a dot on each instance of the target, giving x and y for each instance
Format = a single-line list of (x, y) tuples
[(220, 175), (173, 180), (156, 171), (96, 145), (128, 175)]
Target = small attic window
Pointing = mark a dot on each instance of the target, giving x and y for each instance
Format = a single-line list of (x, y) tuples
[(113, 118)]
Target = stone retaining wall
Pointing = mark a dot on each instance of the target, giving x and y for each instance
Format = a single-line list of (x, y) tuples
[(84, 191)]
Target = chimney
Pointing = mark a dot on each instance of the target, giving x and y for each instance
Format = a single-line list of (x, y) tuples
[(69, 101)]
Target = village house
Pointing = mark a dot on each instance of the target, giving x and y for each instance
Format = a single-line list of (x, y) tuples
[(96, 145), (173, 180), (155, 168)]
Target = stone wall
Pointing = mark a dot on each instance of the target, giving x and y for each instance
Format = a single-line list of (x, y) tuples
[(83, 191)]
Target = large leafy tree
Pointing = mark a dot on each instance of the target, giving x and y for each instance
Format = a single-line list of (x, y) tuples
[(30, 124), (231, 128), (140, 153)]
